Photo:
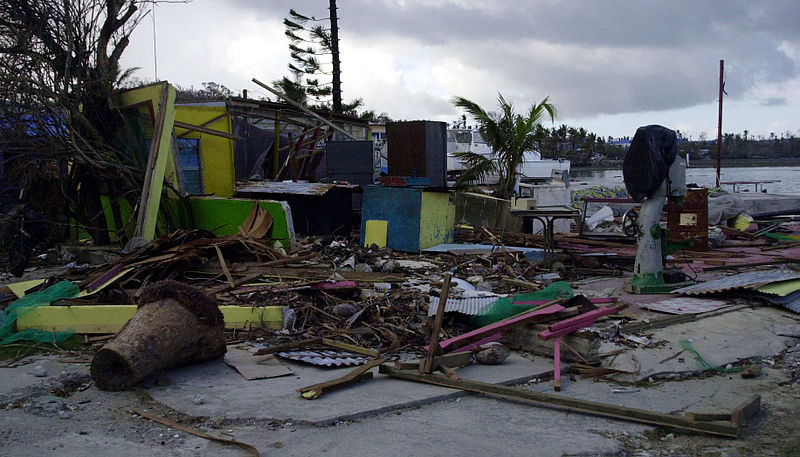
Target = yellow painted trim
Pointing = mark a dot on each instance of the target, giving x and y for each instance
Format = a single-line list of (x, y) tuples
[(19, 288), (104, 319)]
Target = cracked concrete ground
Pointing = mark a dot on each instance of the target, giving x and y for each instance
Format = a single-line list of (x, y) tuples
[(60, 413)]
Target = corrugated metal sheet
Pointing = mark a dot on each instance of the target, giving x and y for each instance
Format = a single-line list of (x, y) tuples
[(748, 280), (326, 358), (470, 306), (292, 188)]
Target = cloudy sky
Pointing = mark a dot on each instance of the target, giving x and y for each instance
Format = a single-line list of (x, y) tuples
[(609, 66)]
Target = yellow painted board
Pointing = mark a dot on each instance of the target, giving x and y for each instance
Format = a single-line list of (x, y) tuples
[(104, 319), (437, 219), (375, 232), (19, 288), (781, 288)]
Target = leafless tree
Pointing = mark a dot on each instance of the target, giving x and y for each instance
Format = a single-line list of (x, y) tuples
[(59, 66)]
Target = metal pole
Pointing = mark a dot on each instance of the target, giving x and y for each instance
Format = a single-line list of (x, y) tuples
[(719, 123)]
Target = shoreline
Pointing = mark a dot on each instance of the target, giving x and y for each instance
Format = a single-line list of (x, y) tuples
[(738, 163)]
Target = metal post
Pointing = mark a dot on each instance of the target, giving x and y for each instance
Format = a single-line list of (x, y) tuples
[(719, 123)]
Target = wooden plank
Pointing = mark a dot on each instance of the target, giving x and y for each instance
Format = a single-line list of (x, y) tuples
[(207, 131), (452, 360), (156, 164), (105, 319), (194, 431), (350, 347), (426, 365), (746, 410), (571, 404), (288, 346), (756, 264), (359, 374)]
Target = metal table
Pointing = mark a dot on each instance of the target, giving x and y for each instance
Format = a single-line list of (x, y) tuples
[(547, 216)]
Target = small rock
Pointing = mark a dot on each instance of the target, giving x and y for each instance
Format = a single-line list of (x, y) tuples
[(362, 268), (64, 414), (390, 266), (199, 399), (751, 371), (590, 262), (729, 367), (39, 371), (492, 353), (344, 309)]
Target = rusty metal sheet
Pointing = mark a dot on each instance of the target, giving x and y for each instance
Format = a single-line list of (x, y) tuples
[(748, 280)]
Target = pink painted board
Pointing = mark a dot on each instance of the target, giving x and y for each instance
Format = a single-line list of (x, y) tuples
[(499, 326), (589, 315)]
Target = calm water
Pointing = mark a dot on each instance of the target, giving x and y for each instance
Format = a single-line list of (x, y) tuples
[(789, 178)]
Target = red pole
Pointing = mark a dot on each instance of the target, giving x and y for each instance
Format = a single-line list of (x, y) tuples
[(719, 123)]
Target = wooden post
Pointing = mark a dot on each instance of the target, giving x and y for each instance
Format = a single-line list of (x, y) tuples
[(277, 143), (426, 366)]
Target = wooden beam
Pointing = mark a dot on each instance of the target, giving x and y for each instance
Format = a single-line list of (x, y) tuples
[(205, 124), (426, 365), (305, 110), (359, 374), (160, 146), (572, 404), (350, 347), (207, 131), (452, 360)]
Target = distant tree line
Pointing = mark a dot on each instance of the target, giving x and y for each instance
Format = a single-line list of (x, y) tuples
[(584, 148), (745, 146)]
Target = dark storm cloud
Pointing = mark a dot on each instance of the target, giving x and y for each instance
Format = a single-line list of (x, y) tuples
[(659, 55), (774, 101)]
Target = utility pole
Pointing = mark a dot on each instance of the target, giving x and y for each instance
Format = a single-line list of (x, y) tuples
[(719, 123), (337, 76)]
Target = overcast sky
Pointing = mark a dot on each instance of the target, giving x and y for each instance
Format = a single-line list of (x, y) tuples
[(609, 66)]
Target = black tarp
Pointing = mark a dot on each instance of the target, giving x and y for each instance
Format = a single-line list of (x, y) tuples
[(649, 158)]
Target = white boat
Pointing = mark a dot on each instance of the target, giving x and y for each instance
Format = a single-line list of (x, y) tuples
[(532, 168)]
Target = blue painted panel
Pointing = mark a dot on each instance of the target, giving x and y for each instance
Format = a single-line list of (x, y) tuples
[(401, 207)]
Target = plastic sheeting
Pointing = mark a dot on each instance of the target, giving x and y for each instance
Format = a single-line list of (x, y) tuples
[(646, 165), (8, 317), (724, 207)]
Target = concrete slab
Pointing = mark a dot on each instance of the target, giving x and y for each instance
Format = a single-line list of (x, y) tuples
[(719, 394), (24, 373), (227, 395), (471, 426), (720, 339)]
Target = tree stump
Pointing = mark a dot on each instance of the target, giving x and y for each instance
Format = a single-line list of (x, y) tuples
[(174, 325)]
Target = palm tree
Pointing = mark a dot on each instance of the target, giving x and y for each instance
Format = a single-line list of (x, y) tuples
[(508, 134)]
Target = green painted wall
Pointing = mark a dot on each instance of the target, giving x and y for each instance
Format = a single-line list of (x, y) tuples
[(223, 216)]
